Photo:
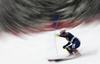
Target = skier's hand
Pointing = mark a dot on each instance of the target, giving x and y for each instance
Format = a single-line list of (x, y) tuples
[(57, 35), (64, 47)]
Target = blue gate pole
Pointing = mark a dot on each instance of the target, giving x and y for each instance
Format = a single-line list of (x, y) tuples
[(56, 18)]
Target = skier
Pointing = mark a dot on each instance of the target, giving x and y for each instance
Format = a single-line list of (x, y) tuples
[(73, 42)]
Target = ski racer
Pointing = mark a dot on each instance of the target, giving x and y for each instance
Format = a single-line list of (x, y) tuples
[(73, 42)]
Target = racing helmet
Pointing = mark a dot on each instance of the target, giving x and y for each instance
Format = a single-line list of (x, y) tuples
[(62, 32)]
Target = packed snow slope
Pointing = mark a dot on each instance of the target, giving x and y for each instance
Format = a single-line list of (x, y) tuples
[(37, 48)]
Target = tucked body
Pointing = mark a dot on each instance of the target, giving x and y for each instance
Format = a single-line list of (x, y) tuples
[(73, 42)]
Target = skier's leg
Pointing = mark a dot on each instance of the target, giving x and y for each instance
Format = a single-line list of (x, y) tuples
[(74, 50), (70, 51), (75, 45)]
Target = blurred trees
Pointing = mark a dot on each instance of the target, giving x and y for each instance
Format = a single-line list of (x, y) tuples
[(16, 14)]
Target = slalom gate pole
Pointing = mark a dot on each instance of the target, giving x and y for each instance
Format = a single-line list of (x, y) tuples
[(57, 22), (58, 17)]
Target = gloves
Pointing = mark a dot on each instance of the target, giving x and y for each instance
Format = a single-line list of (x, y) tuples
[(57, 35), (64, 47)]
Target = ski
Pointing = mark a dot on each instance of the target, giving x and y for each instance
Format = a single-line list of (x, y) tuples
[(57, 60), (62, 59)]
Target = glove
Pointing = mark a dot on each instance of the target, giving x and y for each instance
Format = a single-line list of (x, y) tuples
[(64, 47), (57, 35)]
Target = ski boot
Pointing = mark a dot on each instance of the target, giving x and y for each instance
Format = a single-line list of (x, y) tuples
[(76, 52), (70, 52)]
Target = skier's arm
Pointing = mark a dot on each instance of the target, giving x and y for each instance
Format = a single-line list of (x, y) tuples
[(65, 46), (60, 35), (57, 35), (68, 44)]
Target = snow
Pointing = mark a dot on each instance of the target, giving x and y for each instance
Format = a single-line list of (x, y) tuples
[(37, 48)]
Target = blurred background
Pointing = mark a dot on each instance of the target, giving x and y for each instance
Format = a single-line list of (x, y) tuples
[(24, 16), (27, 27)]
